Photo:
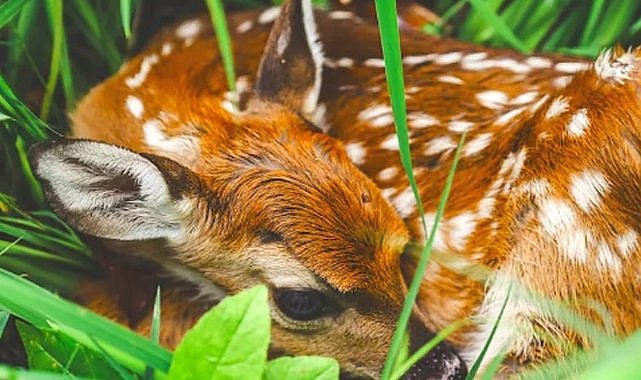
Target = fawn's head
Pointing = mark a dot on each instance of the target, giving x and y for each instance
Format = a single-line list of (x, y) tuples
[(267, 200)]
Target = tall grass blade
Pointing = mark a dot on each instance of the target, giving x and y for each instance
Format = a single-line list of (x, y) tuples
[(219, 21), (499, 25), (54, 13), (9, 9), (126, 10)]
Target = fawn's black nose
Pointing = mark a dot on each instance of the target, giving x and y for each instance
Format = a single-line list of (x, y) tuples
[(441, 363)]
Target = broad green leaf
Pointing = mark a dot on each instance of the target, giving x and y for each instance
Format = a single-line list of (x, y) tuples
[(228, 342), (302, 368), (52, 351)]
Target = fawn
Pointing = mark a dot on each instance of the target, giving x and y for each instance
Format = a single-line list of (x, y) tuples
[(301, 187)]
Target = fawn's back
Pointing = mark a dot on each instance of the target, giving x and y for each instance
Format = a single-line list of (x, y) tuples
[(546, 197)]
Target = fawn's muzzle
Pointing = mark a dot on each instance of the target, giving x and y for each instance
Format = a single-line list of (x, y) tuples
[(441, 363)]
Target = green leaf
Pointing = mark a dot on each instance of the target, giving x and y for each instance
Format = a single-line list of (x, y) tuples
[(228, 342), (302, 368), (49, 350)]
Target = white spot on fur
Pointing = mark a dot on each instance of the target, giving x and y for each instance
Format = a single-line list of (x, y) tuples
[(340, 15), (177, 146), (619, 69), (356, 152), (189, 29), (418, 59), (525, 98), (561, 82), (578, 123), (477, 144), (404, 202), (421, 120), (492, 99), (608, 260), (507, 117), (448, 58), (461, 227), (439, 145), (575, 243), (269, 15), (388, 193), (374, 111), (166, 49), (390, 143), (412, 90), (245, 26), (587, 189), (627, 243), (374, 62), (538, 62), (145, 67), (344, 62), (473, 57), (571, 67), (135, 106), (557, 107), (382, 120), (459, 126), (387, 174), (555, 215), (450, 79)]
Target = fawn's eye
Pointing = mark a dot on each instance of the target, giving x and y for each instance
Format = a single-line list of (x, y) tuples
[(303, 304)]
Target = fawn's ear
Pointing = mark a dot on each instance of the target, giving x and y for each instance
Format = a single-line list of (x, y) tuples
[(111, 192), (290, 69)]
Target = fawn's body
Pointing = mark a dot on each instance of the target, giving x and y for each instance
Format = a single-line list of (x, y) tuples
[(545, 197)]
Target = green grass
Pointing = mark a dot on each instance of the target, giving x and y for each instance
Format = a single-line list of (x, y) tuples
[(52, 52)]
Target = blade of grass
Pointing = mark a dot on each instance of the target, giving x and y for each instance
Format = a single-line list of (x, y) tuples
[(34, 185), (126, 10), (20, 34), (593, 17), (41, 308), (471, 374), (9, 10), (54, 13), (11, 106), (499, 25), (154, 334), (217, 14), (4, 318), (96, 35), (390, 41)]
